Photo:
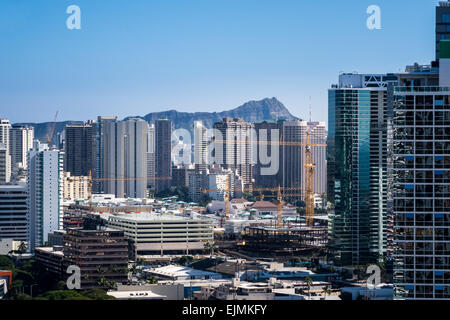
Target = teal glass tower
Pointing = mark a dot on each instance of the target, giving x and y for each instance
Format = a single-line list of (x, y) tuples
[(357, 168)]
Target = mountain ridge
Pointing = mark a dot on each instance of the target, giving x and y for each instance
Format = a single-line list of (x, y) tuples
[(268, 109)]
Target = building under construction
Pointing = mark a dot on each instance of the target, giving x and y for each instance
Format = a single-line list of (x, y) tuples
[(279, 242)]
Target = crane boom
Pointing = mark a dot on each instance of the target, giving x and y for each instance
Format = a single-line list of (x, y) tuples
[(52, 131)]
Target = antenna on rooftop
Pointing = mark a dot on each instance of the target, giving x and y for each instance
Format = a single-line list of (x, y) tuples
[(310, 112)]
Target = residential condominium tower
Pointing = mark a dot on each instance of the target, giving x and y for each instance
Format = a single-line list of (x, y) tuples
[(163, 154), (237, 143), (421, 185), (21, 141), (5, 157), (80, 149), (45, 192), (357, 168), (125, 158)]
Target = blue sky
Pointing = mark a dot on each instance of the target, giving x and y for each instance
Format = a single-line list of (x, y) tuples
[(132, 57)]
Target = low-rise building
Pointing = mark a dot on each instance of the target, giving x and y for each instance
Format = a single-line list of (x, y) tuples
[(51, 259), (75, 187), (158, 233), (102, 256), (174, 273)]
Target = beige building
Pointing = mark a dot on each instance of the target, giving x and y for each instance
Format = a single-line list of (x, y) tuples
[(75, 187)]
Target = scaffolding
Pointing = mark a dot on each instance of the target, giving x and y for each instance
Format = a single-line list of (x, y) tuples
[(269, 241)]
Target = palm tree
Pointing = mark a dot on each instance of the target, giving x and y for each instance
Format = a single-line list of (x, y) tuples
[(326, 290), (210, 246), (309, 283), (22, 248)]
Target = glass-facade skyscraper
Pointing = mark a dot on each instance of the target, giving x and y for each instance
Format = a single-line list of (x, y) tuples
[(357, 168)]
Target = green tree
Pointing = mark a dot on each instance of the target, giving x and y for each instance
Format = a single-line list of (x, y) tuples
[(152, 280), (309, 283), (326, 291), (62, 295), (185, 260), (6, 263), (97, 294), (210, 246)]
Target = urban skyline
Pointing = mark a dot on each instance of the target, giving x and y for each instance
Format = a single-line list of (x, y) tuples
[(249, 204)]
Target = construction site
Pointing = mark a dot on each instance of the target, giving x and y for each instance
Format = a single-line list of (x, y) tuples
[(285, 239)]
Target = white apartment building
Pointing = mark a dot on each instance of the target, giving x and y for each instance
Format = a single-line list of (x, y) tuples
[(45, 189), (5, 164), (21, 141)]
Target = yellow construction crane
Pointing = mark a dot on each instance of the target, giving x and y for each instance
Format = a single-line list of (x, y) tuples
[(279, 209), (309, 177), (309, 196)]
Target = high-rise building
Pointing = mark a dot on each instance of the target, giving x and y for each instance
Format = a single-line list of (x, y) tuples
[(125, 157), (293, 141), (5, 157), (5, 127), (421, 182), (5, 164), (267, 133), (21, 141), (80, 149), (200, 146), (99, 185), (45, 192), (319, 156), (14, 220), (357, 167), (163, 154), (238, 144), (151, 157), (442, 24)]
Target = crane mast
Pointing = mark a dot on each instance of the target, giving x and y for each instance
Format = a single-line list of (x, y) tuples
[(309, 195)]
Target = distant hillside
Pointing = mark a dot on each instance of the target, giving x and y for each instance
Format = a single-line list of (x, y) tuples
[(252, 111), (42, 130)]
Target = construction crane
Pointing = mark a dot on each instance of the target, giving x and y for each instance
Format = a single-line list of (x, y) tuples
[(52, 131), (309, 165), (227, 201), (279, 209), (309, 170)]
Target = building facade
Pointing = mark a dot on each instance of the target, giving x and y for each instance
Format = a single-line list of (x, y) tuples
[(102, 256), (357, 168), (80, 149), (75, 187), (21, 141), (421, 184), (163, 154), (163, 234), (237, 142), (45, 193), (14, 218), (125, 158)]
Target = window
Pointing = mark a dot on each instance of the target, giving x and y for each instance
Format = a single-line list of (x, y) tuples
[(446, 18)]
